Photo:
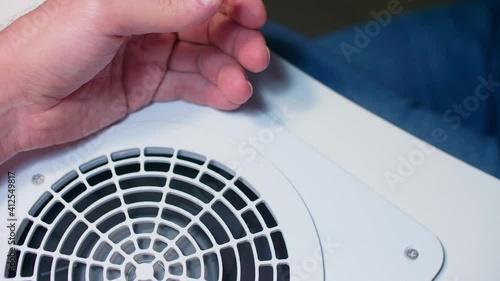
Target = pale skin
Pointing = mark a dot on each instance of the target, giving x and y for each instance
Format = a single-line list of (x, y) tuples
[(92, 62)]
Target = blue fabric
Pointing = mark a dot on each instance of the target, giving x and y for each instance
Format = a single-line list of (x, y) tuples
[(416, 72)]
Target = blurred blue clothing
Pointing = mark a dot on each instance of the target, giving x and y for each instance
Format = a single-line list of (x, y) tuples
[(422, 71)]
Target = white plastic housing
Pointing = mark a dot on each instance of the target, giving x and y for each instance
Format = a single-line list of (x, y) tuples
[(333, 227)]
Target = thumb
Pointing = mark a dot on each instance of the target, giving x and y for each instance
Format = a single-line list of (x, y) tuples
[(133, 17)]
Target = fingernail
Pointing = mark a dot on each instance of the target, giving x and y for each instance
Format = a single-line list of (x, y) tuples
[(251, 87), (268, 56), (206, 2)]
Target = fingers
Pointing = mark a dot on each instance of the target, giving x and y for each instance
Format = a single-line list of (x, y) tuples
[(132, 17), (248, 13), (247, 46), (216, 67), (194, 88)]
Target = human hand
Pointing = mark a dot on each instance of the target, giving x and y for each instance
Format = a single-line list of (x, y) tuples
[(92, 62)]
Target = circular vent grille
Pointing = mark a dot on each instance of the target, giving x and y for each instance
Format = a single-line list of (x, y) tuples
[(152, 214)]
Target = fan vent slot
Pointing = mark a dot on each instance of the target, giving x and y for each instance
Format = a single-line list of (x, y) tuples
[(279, 245), (191, 157), (44, 269), (94, 164), (221, 169), (40, 204), (62, 269), (72, 238), (79, 271), (235, 200), (59, 231), (142, 181), (263, 249), (12, 260), (185, 171), (175, 218), (159, 152), (143, 212), (87, 245), (191, 190), (246, 189), (143, 227), (24, 229), (252, 222), (265, 273), (212, 182), (146, 196), (229, 264), (215, 228), (53, 212), (247, 262), (64, 181), (267, 215), (212, 267), (28, 268), (167, 232), (127, 168), (111, 222), (126, 154), (37, 237), (74, 192), (200, 237), (230, 219), (283, 272), (120, 234), (151, 214), (181, 202), (154, 166), (99, 177), (93, 196), (103, 209)]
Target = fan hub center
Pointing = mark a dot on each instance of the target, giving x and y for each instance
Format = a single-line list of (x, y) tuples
[(145, 272)]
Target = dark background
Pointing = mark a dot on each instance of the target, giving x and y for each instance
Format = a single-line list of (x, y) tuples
[(316, 17)]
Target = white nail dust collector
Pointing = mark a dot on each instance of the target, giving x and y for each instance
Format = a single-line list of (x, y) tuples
[(183, 192)]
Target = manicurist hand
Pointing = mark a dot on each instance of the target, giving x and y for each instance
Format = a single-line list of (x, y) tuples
[(71, 68)]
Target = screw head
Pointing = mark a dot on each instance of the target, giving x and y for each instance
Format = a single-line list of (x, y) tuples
[(38, 179), (412, 254)]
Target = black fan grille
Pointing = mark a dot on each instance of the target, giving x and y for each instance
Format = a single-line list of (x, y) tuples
[(152, 214)]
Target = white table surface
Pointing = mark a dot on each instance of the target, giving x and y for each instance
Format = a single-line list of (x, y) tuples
[(457, 202)]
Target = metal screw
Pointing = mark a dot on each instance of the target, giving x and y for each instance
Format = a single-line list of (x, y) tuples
[(38, 179), (412, 254)]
